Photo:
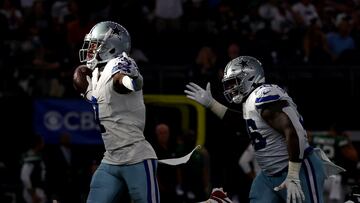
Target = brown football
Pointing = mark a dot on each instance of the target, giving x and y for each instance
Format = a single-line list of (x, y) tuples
[(79, 78)]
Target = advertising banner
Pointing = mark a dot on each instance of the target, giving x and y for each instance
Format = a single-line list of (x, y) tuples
[(53, 117)]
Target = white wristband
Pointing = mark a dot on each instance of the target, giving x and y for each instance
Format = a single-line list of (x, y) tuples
[(294, 170), (128, 82)]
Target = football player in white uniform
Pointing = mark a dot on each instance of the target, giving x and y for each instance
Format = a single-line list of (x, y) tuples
[(115, 92), (291, 170)]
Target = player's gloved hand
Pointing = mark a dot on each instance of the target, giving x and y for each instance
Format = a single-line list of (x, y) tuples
[(195, 92), (127, 66), (292, 184)]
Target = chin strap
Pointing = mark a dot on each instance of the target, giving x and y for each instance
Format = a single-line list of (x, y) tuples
[(92, 63)]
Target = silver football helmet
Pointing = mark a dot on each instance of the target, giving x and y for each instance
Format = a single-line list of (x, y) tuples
[(241, 76), (105, 41)]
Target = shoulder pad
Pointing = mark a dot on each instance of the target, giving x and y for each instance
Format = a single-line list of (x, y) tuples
[(268, 93)]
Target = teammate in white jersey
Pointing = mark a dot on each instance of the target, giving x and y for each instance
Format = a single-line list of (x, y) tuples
[(291, 170), (115, 92)]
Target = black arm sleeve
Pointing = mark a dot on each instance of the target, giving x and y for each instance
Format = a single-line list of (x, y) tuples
[(234, 119)]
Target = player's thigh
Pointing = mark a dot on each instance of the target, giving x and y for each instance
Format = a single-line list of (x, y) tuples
[(262, 190), (105, 187), (141, 181), (312, 179)]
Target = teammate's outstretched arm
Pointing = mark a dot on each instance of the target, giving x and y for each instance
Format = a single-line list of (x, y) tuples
[(205, 98), (283, 119)]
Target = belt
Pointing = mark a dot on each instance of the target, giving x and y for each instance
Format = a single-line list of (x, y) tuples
[(279, 173)]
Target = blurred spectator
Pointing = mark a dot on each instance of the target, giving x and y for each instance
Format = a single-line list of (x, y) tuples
[(227, 21), (167, 175), (283, 20), (14, 17), (305, 12), (354, 195), (33, 173), (168, 15), (4, 30), (77, 25), (45, 59), (56, 88), (167, 21), (258, 33), (205, 66), (356, 28), (268, 10), (194, 177), (38, 21), (7, 192), (59, 10), (339, 149), (196, 15), (26, 6), (283, 27), (233, 51), (63, 171), (252, 22), (345, 6), (340, 41), (316, 49)]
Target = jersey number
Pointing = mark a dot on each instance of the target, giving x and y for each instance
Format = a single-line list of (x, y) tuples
[(258, 141), (96, 112)]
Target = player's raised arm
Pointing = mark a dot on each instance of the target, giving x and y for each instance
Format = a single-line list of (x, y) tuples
[(126, 76), (204, 97)]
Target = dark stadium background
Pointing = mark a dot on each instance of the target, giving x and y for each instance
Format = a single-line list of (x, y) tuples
[(40, 50)]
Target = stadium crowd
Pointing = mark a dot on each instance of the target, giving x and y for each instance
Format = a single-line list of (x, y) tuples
[(200, 34), (182, 40)]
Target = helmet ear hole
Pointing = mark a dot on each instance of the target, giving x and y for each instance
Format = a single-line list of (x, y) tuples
[(112, 51)]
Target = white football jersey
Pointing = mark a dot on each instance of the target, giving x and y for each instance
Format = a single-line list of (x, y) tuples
[(270, 146), (121, 118)]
